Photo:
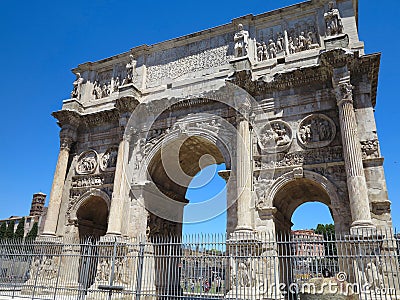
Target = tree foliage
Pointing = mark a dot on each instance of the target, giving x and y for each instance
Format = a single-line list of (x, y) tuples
[(10, 230), (3, 228), (32, 234), (328, 232), (20, 231)]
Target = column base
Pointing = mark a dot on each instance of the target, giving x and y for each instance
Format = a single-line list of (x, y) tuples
[(363, 227)]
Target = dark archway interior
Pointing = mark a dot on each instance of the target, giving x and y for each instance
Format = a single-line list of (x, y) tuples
[(294, 194), (92, 218)]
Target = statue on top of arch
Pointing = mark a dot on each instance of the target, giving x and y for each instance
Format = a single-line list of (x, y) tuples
[(333, 21)]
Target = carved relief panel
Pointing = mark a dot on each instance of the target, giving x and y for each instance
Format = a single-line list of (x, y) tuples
[(87, 163), (108, 160), (316, 131), (275, 136)]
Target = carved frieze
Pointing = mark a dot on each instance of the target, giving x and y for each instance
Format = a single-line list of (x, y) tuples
[(275, 136), (87, 162), (310, 157), (316, 131), (370, 149), (184, 64), (108, 160)]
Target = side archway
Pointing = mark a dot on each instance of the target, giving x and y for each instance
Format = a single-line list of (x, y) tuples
[(297, 187), (90, 214)]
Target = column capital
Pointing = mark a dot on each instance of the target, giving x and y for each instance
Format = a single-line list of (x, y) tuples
[(66, 142), (343, 92)]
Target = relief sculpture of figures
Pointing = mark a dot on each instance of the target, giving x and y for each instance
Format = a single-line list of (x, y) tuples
[(87, 162), (316, 131), (333, 20), (276, 136), (241, 40), (77, 90)]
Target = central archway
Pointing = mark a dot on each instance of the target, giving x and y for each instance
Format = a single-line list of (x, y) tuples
[(171, 170)]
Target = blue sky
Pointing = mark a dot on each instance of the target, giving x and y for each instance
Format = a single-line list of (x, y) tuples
[(42, 40)]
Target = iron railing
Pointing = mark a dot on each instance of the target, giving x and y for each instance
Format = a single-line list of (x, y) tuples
[(243, 266)]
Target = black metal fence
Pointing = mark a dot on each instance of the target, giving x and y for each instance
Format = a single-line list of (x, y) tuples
[(242, 266)]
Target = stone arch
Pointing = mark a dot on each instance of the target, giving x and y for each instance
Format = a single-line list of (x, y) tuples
[(90, 213), (299, 186), (91, 193)]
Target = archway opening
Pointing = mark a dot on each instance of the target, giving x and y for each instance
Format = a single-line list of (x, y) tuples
[(92, 224), (92, 218), (303, 252), (310, 214), (294, 194), (206, 186), (173, 170)]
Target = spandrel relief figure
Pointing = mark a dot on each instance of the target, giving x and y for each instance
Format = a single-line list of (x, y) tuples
[(241, 40), (77, 89), (333, 20)]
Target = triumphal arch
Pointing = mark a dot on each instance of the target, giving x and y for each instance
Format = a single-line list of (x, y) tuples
[(284, 99)]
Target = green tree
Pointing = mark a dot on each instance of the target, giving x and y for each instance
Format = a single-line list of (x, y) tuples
[(32, 234), (10, 230), (3, 228), (20, 231), (328, 232)]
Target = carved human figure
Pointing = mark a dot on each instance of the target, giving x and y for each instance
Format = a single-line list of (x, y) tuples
[(103, 271), (333, 20), (96, 90), (241, 40), (292, 47), (272, 49), (116, 83), (260, 52), (76, 91), (130, 70), (302, 42), (243, 276), (265, 50), (279, 42)]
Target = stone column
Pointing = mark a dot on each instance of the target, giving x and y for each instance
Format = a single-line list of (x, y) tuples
[(356, 183), (244, 175), (120, 183), (50, 226)]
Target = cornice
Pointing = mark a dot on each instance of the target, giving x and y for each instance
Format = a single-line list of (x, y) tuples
[(314, 74)]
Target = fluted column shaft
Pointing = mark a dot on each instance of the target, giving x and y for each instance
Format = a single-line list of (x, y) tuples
[(120, 182), (53, 211), (356, 182), (243, 176)]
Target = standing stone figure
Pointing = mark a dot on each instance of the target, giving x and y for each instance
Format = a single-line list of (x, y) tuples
[(76, 92), (241, 40), (333, 20), (272, 49), (130, 69)]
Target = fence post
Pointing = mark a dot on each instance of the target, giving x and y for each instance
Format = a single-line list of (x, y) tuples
[(139, 270)]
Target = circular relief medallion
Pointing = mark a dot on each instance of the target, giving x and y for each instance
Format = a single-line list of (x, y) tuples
[(108, 161), (275, 136), (316, 131), (87, 162)]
